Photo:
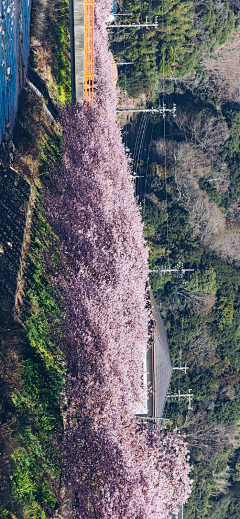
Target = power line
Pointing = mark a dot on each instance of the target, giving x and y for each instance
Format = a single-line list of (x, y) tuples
[(118, 63), (180, 270), (141, 142), (178, 395), (161, 110), (138, 139), (135, 25)]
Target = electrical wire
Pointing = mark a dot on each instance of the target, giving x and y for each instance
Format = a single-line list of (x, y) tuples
[(138, 158), (137, 153), (138, 139)]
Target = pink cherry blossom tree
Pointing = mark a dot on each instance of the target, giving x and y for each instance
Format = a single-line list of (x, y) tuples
[(114, 467)]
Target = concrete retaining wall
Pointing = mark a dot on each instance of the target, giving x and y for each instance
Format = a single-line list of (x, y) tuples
[(14, 199)]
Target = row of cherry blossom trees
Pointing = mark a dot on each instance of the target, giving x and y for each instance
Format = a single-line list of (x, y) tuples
[(114, 468)]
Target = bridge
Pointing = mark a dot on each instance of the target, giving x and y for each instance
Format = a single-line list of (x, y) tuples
[(82, 50)]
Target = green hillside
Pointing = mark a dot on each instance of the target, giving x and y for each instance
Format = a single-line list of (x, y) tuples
[(186, 32)]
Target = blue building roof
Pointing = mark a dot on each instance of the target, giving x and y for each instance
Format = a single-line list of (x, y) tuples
[(114, 7)]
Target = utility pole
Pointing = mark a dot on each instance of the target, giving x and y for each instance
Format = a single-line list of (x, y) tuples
[(126, 108), (147, 418), (135, 25), (136, 176), (158, 418), (179, 268), (167, 271), (140, 110), (180, 367), (178, 395), (162, 110)]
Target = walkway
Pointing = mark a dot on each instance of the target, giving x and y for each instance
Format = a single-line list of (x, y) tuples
[(82, 54), (77, 48)]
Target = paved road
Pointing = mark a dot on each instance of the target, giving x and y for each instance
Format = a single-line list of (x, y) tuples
[(77, 48)]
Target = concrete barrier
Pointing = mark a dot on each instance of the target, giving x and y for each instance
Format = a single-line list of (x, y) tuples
[(14, 201)]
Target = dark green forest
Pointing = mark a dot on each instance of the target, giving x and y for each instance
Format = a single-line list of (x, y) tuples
[(188, 187), (186, 32), (201, 309)]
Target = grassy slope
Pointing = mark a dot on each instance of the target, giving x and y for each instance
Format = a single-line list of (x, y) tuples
[(31, 365), (33, 392), (50, 47)]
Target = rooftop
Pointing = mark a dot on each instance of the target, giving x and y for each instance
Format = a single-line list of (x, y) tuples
[(159, 358)]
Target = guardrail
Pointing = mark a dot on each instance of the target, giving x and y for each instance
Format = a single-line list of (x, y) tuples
[(88, 88)]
